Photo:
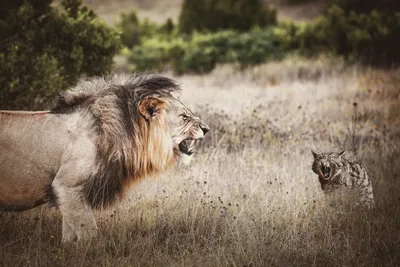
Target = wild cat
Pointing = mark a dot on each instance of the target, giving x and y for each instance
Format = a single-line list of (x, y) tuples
[(335, 173)]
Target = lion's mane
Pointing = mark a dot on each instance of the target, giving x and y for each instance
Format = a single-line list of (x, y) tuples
[(129, 146)]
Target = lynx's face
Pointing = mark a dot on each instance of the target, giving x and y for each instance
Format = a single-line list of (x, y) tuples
[(326, 165)]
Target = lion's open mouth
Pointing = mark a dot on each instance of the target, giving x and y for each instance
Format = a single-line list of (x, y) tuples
[(187, 146)]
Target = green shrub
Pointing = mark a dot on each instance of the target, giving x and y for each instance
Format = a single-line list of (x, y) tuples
[(217, 45), (44, 50), (202, 52), (286, 35), (370, 38), (199, 60), (374, 37), (130, 29), (134, 31), (214, 15), (366, 6), (158, 54), (168, 27), (256, 47)]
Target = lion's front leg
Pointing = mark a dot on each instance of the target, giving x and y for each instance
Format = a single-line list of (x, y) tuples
[(78, 219), (67, 233), (78, 226)]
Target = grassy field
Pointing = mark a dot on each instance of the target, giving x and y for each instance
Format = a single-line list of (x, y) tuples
[(249, 197)]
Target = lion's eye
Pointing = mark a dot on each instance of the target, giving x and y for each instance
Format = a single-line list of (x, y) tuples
[(184, 117)]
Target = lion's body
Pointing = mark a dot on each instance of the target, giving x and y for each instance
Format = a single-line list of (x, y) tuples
[(34, 146), (26, 169), (99, 138)]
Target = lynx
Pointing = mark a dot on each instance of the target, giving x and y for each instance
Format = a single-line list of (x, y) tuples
[(335, 173)]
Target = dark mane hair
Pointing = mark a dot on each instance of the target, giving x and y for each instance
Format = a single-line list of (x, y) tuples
[(127, 88)]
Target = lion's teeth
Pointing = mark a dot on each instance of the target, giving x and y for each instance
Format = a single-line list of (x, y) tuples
[(192, 143)]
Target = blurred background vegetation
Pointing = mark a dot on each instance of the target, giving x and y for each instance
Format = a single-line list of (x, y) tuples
[(45, 46)]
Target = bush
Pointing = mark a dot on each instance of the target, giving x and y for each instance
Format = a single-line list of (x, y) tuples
[(370, 38), (202, 52), (215, 15), (156, 54), (366, 6), (130, 29), (134, 32), (44, 50), (256, 47), (217, 45)]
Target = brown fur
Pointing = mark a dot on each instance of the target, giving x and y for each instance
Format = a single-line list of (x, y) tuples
[(21, 194), (10, 113)]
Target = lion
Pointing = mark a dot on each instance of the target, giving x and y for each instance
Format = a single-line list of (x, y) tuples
[(98, 139)]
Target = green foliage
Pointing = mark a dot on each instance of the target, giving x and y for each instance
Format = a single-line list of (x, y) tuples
[(286, 34), (44, 50), (370, 38), (366, 6), (373, 37), (214, 15), (168, 27), (202, 52), (153, 54), (130, 29), (134, 32)]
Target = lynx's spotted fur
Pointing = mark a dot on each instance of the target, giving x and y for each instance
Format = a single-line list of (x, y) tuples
[(335, 172)]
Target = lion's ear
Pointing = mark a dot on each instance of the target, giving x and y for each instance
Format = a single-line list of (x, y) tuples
[(150, 107)]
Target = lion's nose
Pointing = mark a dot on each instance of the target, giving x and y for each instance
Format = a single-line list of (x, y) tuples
[(205, 128)]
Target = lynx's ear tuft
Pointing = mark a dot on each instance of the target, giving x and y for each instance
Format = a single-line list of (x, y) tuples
[(315, 154)]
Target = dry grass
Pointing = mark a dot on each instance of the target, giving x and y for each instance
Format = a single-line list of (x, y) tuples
[(249, 198)]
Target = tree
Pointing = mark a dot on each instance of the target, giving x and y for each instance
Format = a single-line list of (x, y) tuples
[(44, 49), (215, 15), (366, 6)]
